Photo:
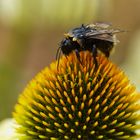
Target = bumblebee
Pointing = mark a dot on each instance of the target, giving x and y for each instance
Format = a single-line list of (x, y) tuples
[(92, 37)]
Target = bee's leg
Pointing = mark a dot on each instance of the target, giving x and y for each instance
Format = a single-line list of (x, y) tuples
[(83, 26), (58, 54), (94, 53), (66, 57), (78, 56), (107, 54)]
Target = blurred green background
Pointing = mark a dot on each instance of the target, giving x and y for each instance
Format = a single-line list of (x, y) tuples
[(30, 32)]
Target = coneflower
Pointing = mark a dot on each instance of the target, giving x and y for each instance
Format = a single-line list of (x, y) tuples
[(79, 101)]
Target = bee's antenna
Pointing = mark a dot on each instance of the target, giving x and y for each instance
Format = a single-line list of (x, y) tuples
[(58, 54)]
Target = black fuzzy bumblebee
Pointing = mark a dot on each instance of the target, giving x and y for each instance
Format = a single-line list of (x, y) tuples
[(92, 37)]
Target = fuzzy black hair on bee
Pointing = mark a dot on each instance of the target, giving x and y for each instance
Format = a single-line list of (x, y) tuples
[(92, 37)]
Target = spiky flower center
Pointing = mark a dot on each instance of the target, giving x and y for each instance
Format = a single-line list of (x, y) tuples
[(79, 101)]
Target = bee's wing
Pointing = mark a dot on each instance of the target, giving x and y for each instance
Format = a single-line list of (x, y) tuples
[(103, 24), (106, 35), (99, 25)]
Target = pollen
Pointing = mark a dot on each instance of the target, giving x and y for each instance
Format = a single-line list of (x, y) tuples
[(79, 101)]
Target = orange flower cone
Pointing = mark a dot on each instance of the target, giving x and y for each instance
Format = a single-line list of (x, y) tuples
[(79, 101)]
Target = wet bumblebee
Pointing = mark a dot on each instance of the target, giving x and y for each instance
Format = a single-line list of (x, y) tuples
[(92, 37)]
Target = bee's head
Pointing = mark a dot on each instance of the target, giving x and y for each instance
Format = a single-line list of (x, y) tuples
[(66, 45)]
